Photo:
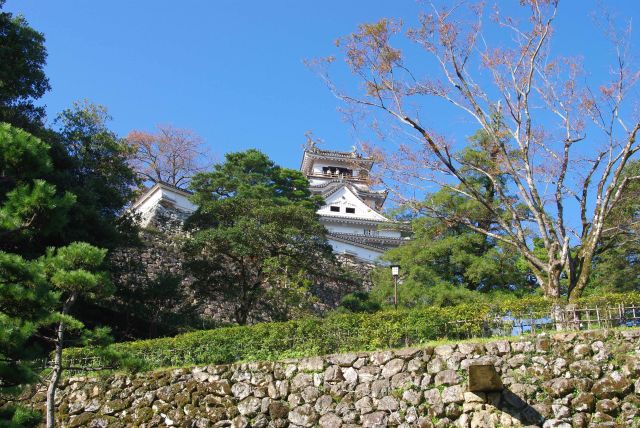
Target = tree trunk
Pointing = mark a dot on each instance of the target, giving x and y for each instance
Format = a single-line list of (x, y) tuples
[(552, 292), (55, 377), (576, 290), (57, 365), (241, 314)]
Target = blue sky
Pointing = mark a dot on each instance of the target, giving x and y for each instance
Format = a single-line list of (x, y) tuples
[(231, 71)]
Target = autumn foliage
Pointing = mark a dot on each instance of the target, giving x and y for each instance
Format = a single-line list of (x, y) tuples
[(170, 155), (557, 145)]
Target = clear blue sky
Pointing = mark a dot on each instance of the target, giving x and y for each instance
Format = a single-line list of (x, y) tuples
[(232, 71)]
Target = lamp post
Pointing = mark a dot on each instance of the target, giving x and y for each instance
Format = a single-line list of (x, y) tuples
[(395, 273)]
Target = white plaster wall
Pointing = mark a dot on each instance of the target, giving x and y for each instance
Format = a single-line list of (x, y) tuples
[(342, 228), (180, 201), (362, 253), (149, 203), (345, 198), (317, 181)]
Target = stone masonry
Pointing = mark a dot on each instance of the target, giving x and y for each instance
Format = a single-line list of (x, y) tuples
[(162, 237), (588, 379)]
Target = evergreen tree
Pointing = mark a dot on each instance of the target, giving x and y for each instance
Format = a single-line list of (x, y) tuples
[(617, 264), (25, 303), (256, 237), (36, 294), (71, 272), (91, 162), (22, 78), (32, 210)]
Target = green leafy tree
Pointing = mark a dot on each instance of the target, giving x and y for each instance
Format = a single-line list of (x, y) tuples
[(359, 301), (617, 264), (444, 266), (37, 294), (72, 272), (256, 237), (22, 78), (92, 162)]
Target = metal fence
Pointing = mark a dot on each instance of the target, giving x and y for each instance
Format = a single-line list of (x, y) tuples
[(506, 324)]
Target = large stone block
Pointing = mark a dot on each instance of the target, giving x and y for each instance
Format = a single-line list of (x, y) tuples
[(484, 378)]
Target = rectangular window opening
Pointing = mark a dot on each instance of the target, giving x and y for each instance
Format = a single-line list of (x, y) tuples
[(351, 210), (335, 209)]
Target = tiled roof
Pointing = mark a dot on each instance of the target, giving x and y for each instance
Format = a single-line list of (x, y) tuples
[(159, 185)]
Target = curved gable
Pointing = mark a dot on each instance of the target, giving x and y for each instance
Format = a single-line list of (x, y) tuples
[(343, 197)]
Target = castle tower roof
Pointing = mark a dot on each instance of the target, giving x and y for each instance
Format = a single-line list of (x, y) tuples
[(352, 159)]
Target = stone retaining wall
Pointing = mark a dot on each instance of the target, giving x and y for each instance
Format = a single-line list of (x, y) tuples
[(160, 254), (562, 380)]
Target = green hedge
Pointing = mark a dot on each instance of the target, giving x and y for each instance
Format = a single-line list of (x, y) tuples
[(333, 334)]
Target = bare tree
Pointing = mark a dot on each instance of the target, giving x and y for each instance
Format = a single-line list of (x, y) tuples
[(558, 145), (171, 155)]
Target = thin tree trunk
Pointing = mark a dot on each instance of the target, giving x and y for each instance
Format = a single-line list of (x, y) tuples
[(55, 377), (57, 365)]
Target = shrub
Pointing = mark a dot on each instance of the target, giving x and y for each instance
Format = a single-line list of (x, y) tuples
[(339, 332), (359, 301)]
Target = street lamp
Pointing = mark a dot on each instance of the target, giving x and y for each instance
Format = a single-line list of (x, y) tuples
[(395, 273)]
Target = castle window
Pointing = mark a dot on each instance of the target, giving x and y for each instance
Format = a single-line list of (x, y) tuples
[(334, 171), (351, 210), (335, 209)]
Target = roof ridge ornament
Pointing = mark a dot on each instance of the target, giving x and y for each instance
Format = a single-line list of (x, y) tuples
[(312, 143)]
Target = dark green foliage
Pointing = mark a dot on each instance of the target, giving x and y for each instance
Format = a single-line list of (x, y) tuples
[(73, 271), (25, 303), (247, 176), (617, 263), (157, 307), (359, 301), (91, 162), (32, 210), (336, 333), (256, 237), (445, 265), (19, 417), (22, 79), (617, 269)]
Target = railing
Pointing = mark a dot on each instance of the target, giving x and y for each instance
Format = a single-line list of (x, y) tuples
[(567, 318), (75, 365), (340, 176)]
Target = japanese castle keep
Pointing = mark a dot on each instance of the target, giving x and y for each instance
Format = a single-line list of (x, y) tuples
[(351, 214)]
